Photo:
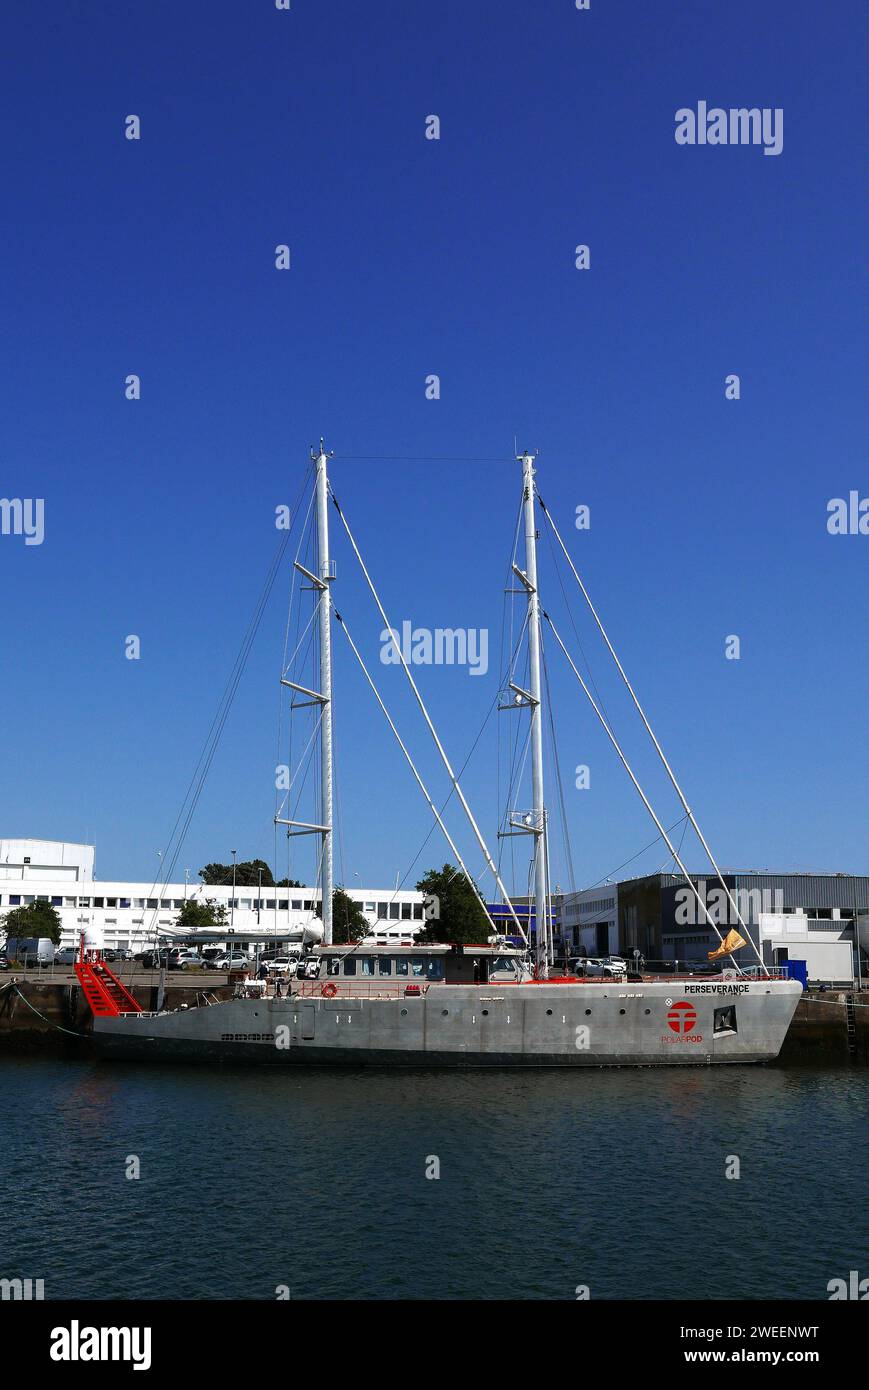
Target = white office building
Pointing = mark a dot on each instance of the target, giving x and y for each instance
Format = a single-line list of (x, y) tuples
[(129, 916)]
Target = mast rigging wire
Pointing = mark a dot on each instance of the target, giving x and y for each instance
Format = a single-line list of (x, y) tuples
[(651, 733), (433, 808), (642, 794), (421, 703)]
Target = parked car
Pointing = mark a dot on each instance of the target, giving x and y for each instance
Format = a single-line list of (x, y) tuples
[(187, 960), (604, 967), (237, 961), (65, 955), (282, 965)]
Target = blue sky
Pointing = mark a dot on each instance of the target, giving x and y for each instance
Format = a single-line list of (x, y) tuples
[(454, 257)]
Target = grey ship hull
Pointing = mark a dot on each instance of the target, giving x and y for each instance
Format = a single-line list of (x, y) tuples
[(657, 1023)]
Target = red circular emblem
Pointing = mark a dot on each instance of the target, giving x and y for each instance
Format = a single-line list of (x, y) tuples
[(682, 1017)]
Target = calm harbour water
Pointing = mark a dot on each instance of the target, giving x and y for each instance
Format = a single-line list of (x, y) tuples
[(316, 1180)]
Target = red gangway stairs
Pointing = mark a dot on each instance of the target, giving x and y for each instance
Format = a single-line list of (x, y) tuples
[(104, 991)]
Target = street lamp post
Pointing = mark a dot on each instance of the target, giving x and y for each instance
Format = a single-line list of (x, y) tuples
[(232, 905)]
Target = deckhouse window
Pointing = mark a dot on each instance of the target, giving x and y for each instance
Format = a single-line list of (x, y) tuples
[(368, 964), (435, 968), (350, 965), (402, 965), (385, 965), (333, 965)]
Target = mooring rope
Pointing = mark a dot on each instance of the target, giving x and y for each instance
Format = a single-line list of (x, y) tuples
[(13, 986)]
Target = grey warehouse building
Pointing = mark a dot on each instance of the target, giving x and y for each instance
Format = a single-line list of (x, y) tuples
[(822, 919)]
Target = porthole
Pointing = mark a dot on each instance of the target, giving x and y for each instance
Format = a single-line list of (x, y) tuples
[(444, 1012), (647, 1011), (588, 1011), (485, 1013), (621, 1011), (548, 1012), (404, 1013)]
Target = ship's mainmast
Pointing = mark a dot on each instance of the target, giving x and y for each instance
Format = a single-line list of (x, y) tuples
[(325, 611), (538, 810)]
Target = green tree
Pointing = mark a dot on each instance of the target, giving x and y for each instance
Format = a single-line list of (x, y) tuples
[(349, 923), (288, 883), (460, 918), (36, 919), (247, 874), (201, 914)]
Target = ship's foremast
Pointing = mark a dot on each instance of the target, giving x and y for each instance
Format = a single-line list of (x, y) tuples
[(325, 622), (537, 825)]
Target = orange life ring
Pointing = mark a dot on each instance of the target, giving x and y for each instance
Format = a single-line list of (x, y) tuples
[(329, 990)]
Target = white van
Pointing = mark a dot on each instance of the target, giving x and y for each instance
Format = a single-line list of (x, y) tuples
[(31, 950)]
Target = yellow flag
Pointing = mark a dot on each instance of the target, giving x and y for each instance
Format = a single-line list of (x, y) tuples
[(731, 942)]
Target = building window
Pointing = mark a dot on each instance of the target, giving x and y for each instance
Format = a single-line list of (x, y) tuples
[(57, 902), (165, 903), (69, 902), (99, 902), (152, 902), (368, 907), (123, 902), (111, 902), (297, 904), (14, 899), (382, 909), (393, 912), (284, 904)]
